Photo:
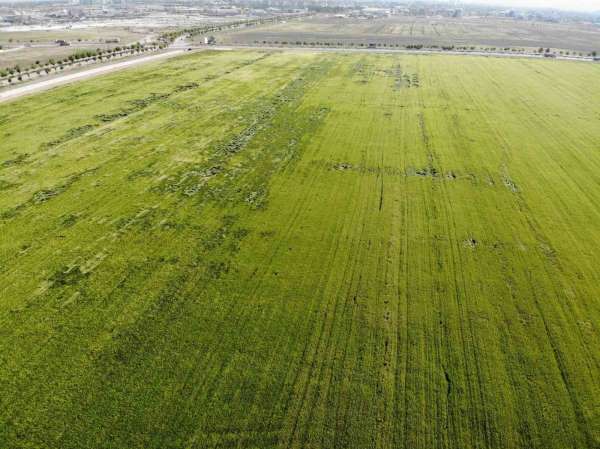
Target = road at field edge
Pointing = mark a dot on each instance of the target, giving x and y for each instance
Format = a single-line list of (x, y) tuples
[(38, 86), (395, 51)]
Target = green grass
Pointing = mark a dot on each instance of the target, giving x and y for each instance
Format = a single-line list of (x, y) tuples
[(257, 250)]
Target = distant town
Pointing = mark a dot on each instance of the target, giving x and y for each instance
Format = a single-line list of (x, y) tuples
[(21, 16)]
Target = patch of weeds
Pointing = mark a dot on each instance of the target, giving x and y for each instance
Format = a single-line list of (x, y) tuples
[(141, 173), (189, 182), (241, 233), (68, 220), (470, 243), (173, 260), (186, 87), (68, 276), (71, 134), (142, 103), (19, 160), (414, 82), (41, 196), (257, 198), (266, 118), (431, 172), (6, 185), (217, 269), (547, 249), (171, 225), (11, 213), (236, 238), (510, 184), (136, 105), (342, 166)]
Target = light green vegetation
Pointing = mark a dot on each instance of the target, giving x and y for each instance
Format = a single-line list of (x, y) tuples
[(288, 250), (404, 30)]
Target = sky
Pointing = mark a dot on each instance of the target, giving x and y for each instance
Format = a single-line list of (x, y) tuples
[(573, 5)]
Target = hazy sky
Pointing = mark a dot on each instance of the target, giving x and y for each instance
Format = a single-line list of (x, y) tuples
[(574, 5)]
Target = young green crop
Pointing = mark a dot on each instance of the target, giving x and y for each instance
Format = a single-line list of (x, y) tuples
[(269, 250)]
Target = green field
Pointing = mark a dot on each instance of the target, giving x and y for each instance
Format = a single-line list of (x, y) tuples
[(303, 250)]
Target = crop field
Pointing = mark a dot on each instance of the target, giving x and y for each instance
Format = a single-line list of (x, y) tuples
[(90, 34), (27, 47), (404, 30), (303, 250)]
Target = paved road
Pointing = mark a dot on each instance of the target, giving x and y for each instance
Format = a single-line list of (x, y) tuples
[(45, 84)]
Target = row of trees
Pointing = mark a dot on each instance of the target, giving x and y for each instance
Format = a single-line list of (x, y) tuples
[(170, 37), (541, 50), (51, 64), (418, 47), (361, 44)]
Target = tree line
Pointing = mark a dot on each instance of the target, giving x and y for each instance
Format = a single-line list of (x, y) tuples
[(17, 72)]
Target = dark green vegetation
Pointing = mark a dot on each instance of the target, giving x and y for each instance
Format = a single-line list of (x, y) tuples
[(256, 250)]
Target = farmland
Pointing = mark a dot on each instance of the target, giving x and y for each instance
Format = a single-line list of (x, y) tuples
[(89, 34), (27, 47), (427, 31), (287, 250)]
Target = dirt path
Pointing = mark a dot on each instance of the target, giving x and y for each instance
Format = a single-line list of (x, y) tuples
[(38, 86)]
